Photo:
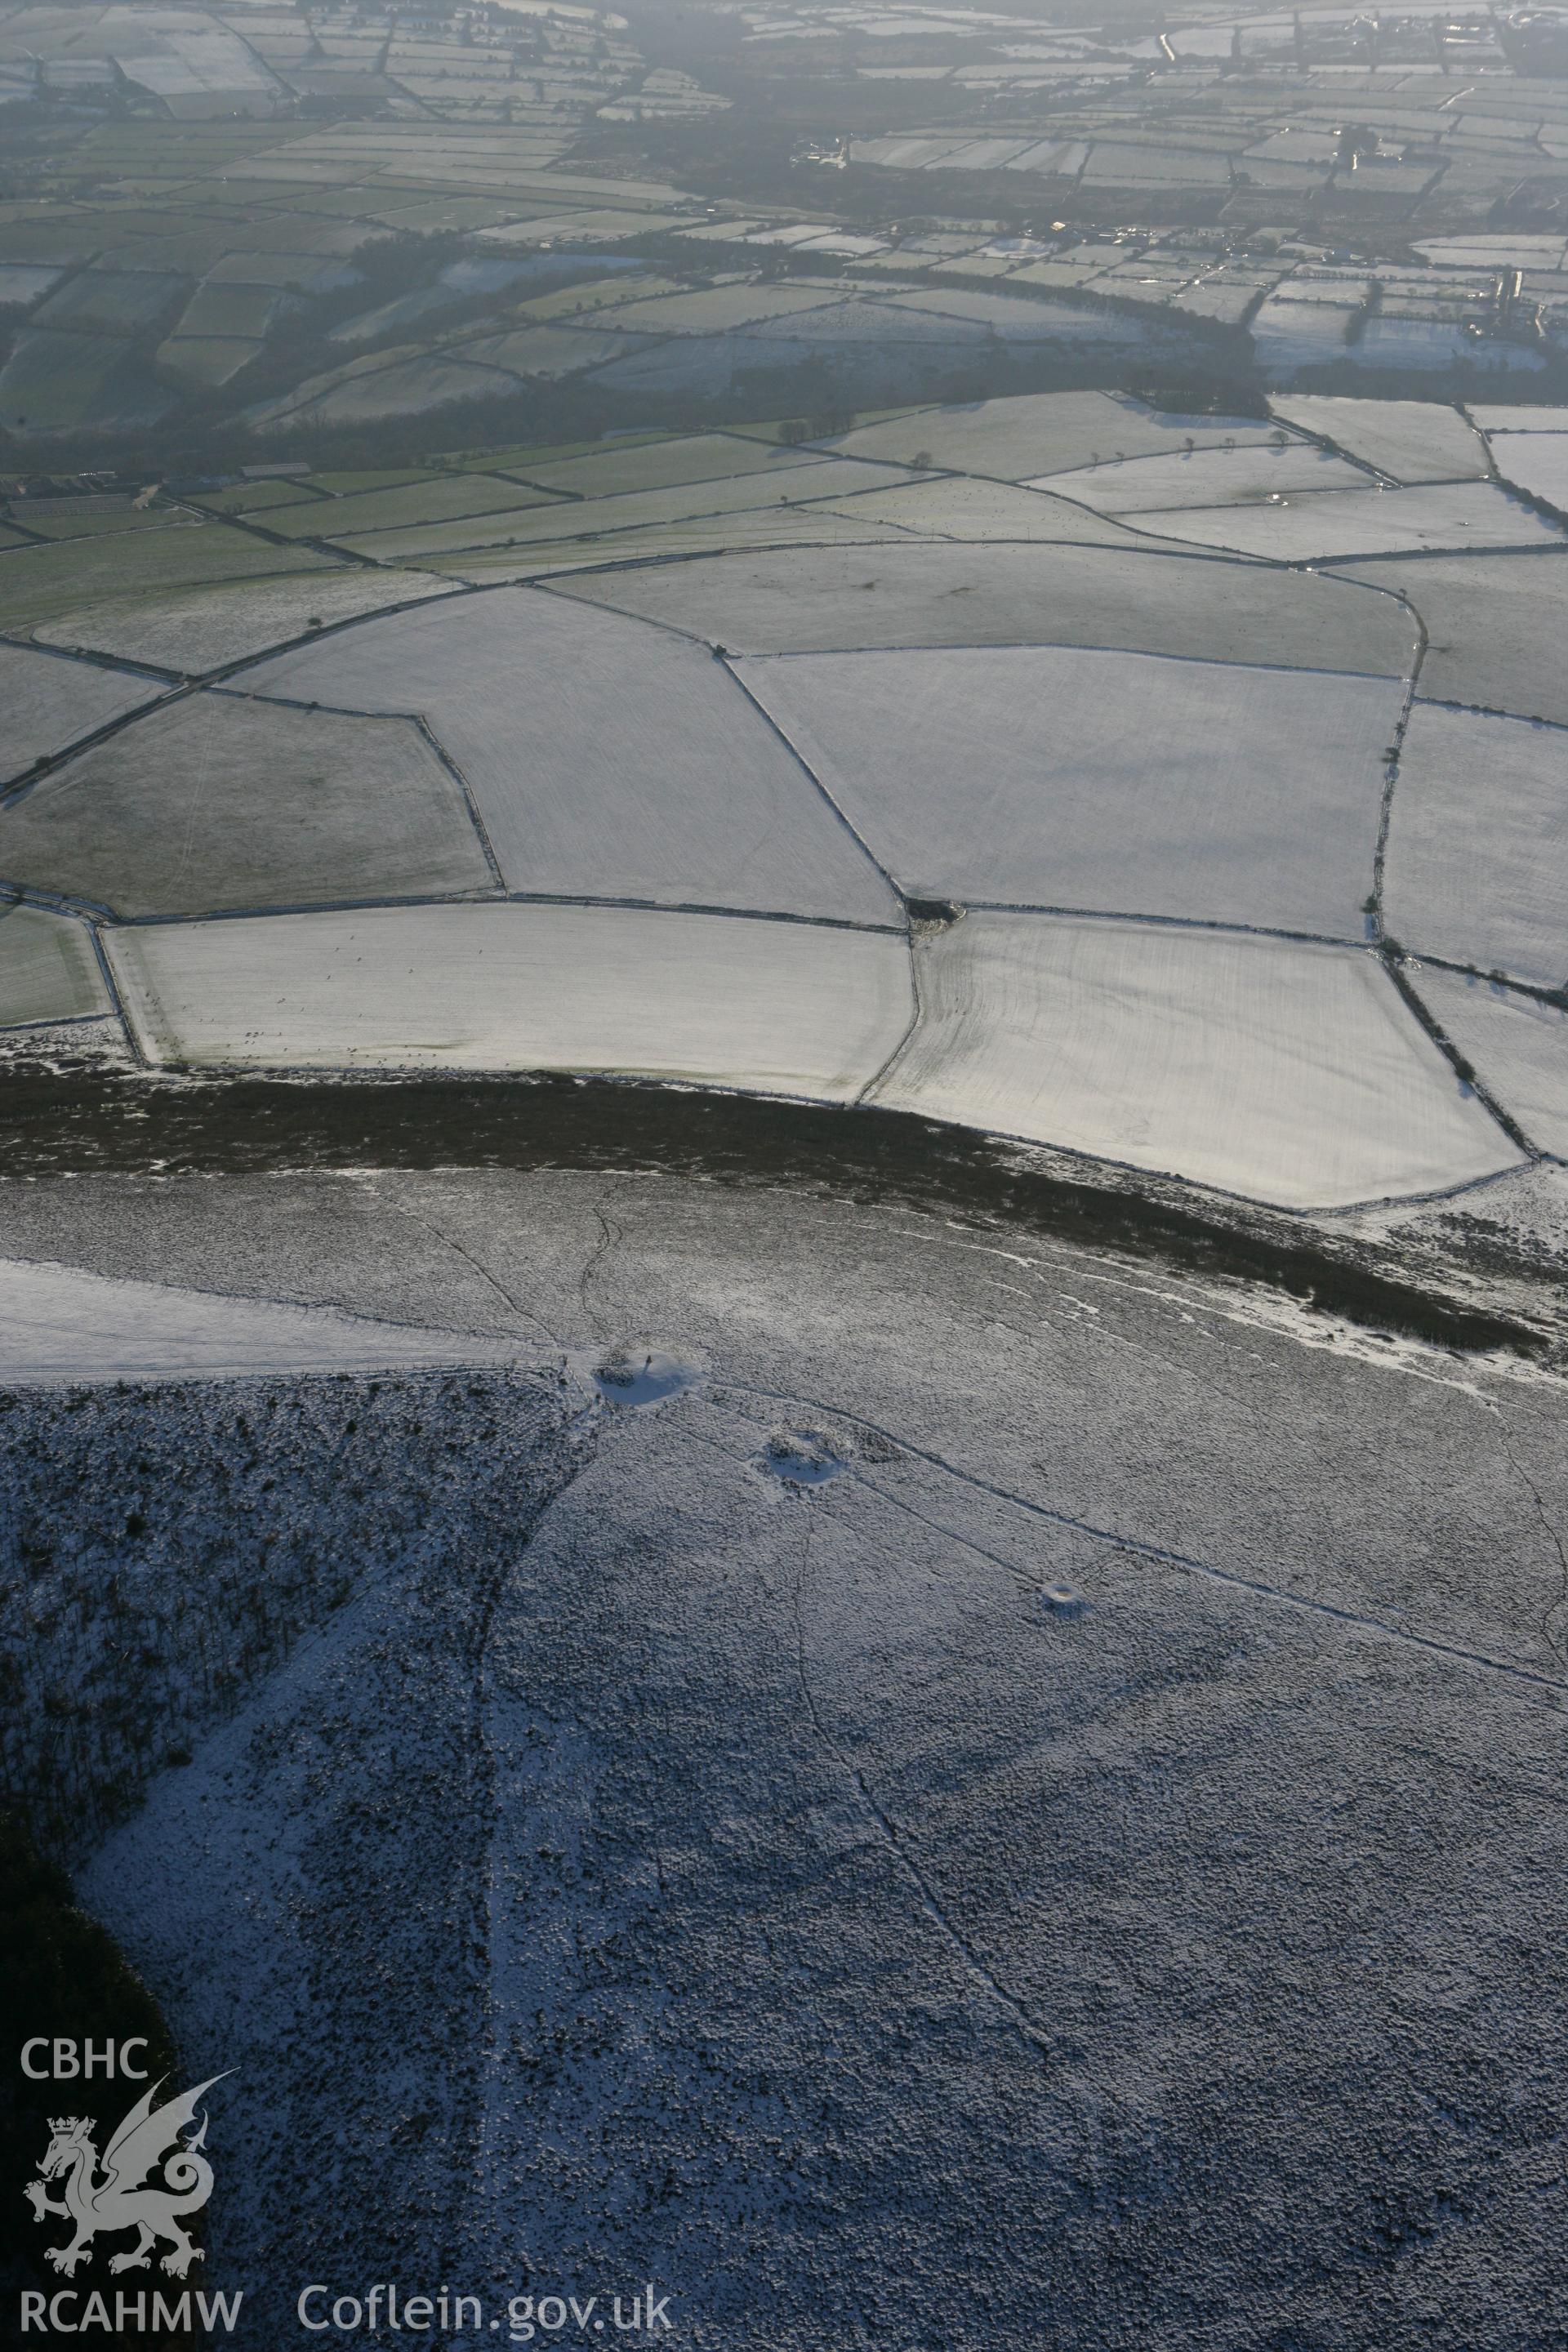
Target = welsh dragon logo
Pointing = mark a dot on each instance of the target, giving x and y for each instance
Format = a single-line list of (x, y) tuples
[(123, 2197)]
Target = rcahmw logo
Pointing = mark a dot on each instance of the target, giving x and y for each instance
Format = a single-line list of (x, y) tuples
[(152, 2175)]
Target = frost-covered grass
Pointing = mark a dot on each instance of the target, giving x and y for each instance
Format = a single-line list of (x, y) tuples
[(823, 478), (1535, 462), (47, 969), (218, 801), (1132, 598), (759, 527), (1410, 440), (1124, 782), (205, 360), (608, 759), (397, 508), (1205, 478), (1038, 433), (1524, 417), (961, 506), (202, 628), (1289, 1073), (1477, 868), (1518, 1046), (49, 703), (1519, 417), (777, 1008), (38, 583), (1437, 516), (701, 366), (1495, 627)]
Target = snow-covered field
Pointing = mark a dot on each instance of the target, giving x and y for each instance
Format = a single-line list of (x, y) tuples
[(1522, 418), (961, 506), (1535, 462), (823, 478), (1286, 1072), (1495, 627), (1409, 440), (1518, 1045), (1015, 438), (1436, 515), (1205, 478), (822, 682), (1123, 782), (1477, 868), (607, 759), (1142, 600), (777, 1007)]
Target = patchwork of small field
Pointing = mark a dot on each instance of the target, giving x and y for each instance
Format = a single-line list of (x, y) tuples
[(607, 758), (532, 520), (883, 766), (1139, 600), (781, 1319)]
